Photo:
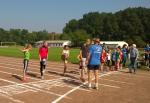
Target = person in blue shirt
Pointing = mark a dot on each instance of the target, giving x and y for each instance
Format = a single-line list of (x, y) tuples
[(149, 59), (93, 61), (113, 59), (124, 58), (146, 52)]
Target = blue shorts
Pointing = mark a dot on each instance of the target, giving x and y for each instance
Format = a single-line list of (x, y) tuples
[(93, 67)]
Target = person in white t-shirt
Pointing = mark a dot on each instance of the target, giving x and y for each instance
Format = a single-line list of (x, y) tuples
[(65, 56)]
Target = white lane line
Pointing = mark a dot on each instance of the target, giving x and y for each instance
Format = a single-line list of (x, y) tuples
[(110, 86), (29, 72), (47, 68), (17, 75), (74, 89), (36, 66), (37, 63), (117, 81), (12, 99), (34, 69), (32, 88), (50, 75)]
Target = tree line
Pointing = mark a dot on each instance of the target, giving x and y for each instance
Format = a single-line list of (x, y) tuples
[(23, 36), (131, 25)]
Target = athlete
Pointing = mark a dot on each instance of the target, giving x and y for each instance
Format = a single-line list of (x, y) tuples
[(43, 56), (26, 52), (93, 62)]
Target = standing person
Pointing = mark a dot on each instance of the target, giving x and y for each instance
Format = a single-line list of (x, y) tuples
[(124, 52), (149, 59), (103, 60), (26, 52), (118, 58), (93, 62), (43, 56), (146, 52), (82, 57), (108, 58), (133, 58), (65, 55), (113, 59)]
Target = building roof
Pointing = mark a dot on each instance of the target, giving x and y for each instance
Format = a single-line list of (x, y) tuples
[(55, 41), (118, 43)]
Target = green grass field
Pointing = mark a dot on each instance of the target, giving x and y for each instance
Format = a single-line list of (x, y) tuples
[(54, 53)]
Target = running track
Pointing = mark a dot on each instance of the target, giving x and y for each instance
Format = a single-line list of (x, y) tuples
[(117, 87)]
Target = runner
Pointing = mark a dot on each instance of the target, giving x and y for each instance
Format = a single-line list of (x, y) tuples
[(26, 52), (43, 56), (65, 55), (93, 62)]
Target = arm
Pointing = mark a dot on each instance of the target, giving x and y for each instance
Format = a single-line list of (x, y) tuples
[(89, 56), (24, 50), (47, 53), (39, 54), (137, 54)]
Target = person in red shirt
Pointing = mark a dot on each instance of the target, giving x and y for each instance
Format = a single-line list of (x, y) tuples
[(103, 60), (43, 56)]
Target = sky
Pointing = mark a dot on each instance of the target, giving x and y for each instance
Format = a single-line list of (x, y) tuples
[(52, 15)]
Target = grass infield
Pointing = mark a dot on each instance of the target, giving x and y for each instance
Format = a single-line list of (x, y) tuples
[(54, 53)]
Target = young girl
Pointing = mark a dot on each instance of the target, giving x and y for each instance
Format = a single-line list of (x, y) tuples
[(113, 59), (65, 55), (26, 60), (103, 59), (43, 55), (108, 58), (118, 58), (81, 67)]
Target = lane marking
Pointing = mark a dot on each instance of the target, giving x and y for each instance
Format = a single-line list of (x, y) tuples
[(12, 99), (29, 72), (28, 87), (74, 89), (35, 69), (17, 75), (110, 86), (37, 62)]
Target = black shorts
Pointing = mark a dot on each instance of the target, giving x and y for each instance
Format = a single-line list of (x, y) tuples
[(146, 56), (93, 67), (113, 63)]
